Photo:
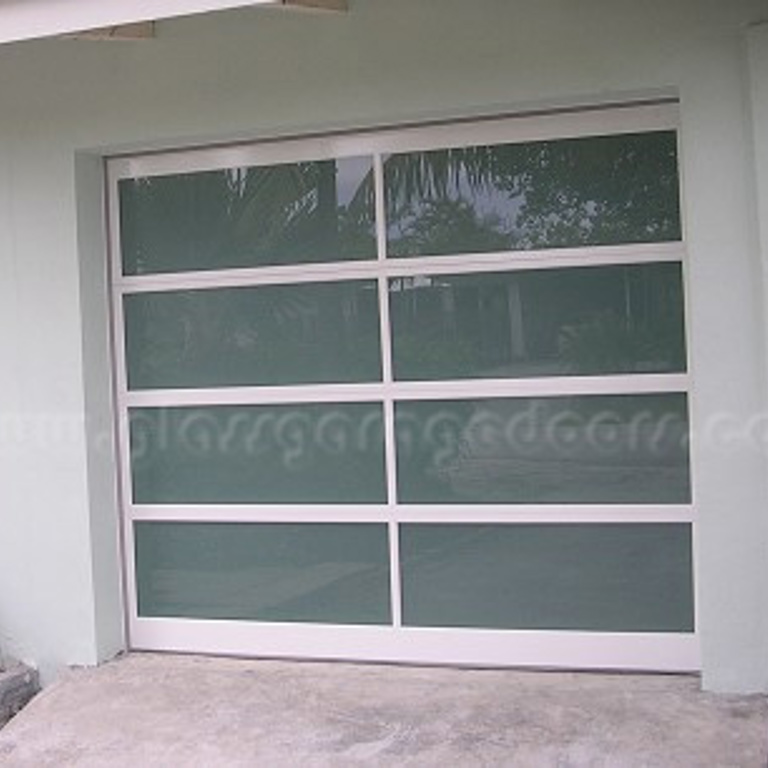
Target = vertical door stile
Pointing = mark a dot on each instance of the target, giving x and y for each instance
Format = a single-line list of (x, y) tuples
[(390, 446)]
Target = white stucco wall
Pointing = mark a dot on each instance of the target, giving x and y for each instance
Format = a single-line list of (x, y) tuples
[(256, 73)]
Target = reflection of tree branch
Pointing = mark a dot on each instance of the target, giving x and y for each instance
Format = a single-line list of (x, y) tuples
[(591, 190), (241, 216), (439, 226), (438, 174), (595, 190)]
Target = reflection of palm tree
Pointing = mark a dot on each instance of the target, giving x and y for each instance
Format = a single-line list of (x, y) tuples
[(595, 190), (437, 226), (473, 199), (241, 217)]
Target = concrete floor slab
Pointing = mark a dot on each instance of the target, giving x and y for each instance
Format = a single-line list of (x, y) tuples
[(176, 711)]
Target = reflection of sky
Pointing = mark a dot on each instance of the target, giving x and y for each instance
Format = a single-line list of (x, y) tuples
[(497, 208), (414, 283), (350, 174), (489, 201)]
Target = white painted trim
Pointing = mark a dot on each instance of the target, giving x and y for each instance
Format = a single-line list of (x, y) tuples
[(395, 585), (459, 264), (445, 135), (125, 490), (380, 208), (30, 19), (390, 439), (660, 652), (473, 389), (412, 513), (116, 358), (132, 607), (634, 384)]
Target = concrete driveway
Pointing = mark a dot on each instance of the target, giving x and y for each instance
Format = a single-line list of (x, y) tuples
[(148, 710)]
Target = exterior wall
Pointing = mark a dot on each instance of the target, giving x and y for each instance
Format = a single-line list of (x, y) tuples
[(757, 42), (757, 38), (256, 73)]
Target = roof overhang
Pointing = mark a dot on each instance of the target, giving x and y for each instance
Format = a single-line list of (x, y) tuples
[(31, 19)]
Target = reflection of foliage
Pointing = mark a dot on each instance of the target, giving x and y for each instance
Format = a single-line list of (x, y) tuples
[(443, 226), (593, 190), (474, 199), (609, 342), (433, 354), (437, 174), (598, 190), (241, 217), (264, 335), (604, 342), (310, 453)]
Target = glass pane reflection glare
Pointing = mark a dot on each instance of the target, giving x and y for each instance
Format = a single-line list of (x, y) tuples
[(595, 449), (554, 322), (304, 333), (629, 577), (327, 573), (596, 190), (281, 454), (292, 213)]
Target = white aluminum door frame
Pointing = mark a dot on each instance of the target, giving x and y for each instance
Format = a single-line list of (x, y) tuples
[(568, 649)]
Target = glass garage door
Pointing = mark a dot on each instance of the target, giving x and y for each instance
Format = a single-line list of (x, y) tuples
[(415, 395)]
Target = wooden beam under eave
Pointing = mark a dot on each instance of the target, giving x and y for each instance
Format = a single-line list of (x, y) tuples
[(316, 5), (35, 19)]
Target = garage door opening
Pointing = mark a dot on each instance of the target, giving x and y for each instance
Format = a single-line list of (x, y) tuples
[(413, 395)]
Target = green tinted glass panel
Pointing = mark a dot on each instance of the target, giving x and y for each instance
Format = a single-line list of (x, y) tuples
[(309, 454), (326, 573), (587, 449), (593, 320), (605, 578), (292, 213), (284, 334), (546, 194)]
